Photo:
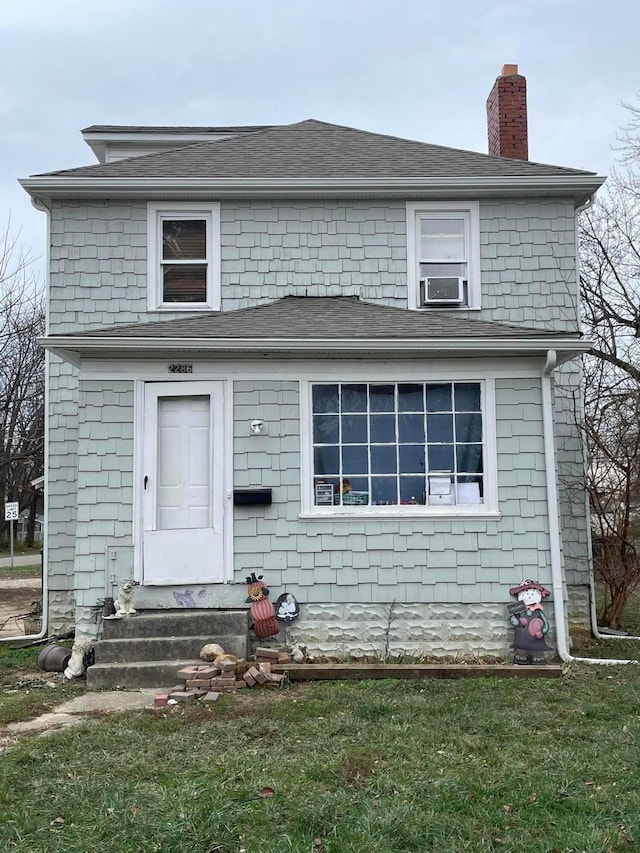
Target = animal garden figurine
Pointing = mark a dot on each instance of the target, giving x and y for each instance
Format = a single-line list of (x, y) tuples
[(298, 653), (77, 662), (210, 651), (287, 608), (265, 623), (124, 602), (530, 622)]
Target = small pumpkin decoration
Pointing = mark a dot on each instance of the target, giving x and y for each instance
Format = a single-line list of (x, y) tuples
[(265, 622), (266, 628), (257, 589), (262, 609)]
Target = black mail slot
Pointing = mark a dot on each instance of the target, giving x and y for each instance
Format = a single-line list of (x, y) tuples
[(252, 497)]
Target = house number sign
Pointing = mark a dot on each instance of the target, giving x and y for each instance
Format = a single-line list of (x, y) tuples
[(180, 368)]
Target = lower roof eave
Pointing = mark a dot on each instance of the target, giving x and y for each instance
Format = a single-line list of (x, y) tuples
[(73, 348), (579, 186)]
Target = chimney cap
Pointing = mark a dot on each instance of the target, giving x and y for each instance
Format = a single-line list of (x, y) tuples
[(509, 70)]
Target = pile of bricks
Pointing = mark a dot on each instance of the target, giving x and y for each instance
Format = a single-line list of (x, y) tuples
[(265, 654), (208, 681), (259, 674)]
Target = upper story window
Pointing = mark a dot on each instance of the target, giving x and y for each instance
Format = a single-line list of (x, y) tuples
[(443, 255), (184, 256)]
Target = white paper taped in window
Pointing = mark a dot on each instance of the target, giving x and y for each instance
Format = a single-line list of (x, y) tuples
[(440, 485), (469, 493)]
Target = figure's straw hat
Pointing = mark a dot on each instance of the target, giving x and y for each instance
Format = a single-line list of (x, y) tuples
[(528, 584)]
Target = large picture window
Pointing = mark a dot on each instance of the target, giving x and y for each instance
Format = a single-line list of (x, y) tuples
[(397, 444), (184, 265)]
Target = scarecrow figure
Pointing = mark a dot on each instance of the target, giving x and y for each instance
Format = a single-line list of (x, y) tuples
[(530, 622), (265, 623)]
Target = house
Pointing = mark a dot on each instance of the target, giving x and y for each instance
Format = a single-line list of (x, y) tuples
[(22, 527), (342, 360)]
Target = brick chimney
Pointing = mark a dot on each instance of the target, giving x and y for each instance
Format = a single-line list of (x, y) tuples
[(507, 115)]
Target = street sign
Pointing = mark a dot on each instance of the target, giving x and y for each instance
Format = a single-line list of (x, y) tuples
[(11, 511)]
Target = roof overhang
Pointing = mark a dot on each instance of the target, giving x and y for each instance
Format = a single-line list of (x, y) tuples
[(74, 348), (579, 187), (100, 142)]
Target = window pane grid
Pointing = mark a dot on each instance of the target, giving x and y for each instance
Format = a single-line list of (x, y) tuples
[(183, 259), (436, 462)]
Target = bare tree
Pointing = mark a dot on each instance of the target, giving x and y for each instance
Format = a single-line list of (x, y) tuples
[(610, 292), (22, 320), (611, 430)]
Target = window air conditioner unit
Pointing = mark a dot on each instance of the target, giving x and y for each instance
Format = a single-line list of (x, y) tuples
[(442, 290)]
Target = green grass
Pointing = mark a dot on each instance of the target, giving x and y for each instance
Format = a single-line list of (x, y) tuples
[(20, 548), (7, 573), (616, 648), (390, 767), (470, 765), (26, 692), (631, 616)]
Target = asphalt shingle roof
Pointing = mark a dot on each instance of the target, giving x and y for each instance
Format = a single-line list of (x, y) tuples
[(315, 149), (327, 318)]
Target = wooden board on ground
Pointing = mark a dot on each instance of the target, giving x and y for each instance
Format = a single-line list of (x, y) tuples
[(334, 671)]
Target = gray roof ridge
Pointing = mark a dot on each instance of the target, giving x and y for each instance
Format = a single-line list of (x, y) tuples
[(144, 157), (236, 142), (404, 311), (135, 157), (201, 319), (433, 145)]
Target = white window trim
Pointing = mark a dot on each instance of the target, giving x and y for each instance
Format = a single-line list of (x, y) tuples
[(471, 212), (488, 509), (156, 213)]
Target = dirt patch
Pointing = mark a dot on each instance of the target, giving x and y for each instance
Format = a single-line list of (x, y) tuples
[(16, 600), (7, 741)]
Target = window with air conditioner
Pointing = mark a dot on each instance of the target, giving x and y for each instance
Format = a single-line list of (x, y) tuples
[(443, 253)]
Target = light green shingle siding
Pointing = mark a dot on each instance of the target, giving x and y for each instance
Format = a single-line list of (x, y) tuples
[(436, 556), (272, 249)]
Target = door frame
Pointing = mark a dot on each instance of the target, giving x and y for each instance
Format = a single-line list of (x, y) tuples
[(185, 387)]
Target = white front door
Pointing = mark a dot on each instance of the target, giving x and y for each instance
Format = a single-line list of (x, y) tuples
[(183, 484)]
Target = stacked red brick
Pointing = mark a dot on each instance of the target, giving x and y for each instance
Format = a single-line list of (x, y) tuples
[(211, 677), (259, 674), (205, 681), (208, 681), (507, 115)]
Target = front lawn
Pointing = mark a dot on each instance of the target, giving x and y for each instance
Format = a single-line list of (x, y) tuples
[(19, 572), (25, 691), (470, 765)]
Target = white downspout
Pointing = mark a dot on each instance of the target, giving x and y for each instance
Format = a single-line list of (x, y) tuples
[(557, 580)]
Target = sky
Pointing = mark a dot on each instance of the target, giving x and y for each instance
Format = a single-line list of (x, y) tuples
[(419, 69)]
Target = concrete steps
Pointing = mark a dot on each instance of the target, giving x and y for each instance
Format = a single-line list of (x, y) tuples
[(147, 650), (163, 648)]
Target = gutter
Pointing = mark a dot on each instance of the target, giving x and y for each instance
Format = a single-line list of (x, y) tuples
[(558, 585), (88, 343), (579, 186)]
